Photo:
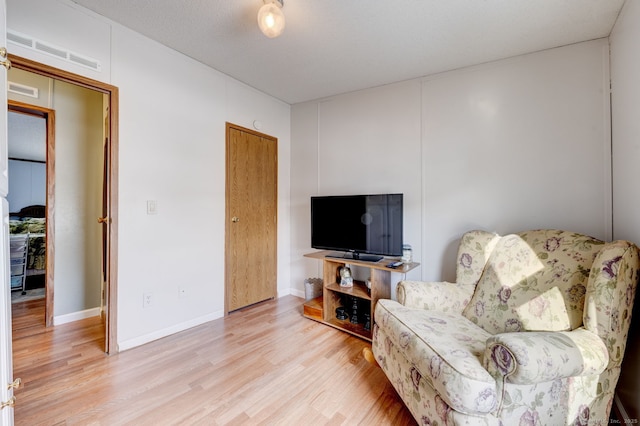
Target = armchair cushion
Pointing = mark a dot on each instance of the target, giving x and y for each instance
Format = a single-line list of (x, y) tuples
[(450, 359), (534, 281)]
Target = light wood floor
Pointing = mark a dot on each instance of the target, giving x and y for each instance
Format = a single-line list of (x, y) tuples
[(266, 364)]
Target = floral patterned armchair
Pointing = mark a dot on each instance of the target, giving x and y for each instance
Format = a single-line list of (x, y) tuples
[(532, 333)]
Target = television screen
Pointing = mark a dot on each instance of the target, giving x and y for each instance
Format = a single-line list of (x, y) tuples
[(359, 224)]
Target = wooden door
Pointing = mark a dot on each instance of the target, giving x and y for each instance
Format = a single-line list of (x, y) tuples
[(106, 223), (251, 217)]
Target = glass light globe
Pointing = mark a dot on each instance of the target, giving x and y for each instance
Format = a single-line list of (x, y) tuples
[(271, 20)]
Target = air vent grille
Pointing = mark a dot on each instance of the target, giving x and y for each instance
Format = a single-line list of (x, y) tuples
[(21, 89), (83, 60), (52, 50), (19, 39), (62, 54)]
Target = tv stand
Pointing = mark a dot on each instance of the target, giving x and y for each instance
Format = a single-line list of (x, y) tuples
[(356, 256), (323, 309)]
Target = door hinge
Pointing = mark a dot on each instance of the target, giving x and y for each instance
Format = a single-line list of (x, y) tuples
[(10, 403), (5, 61)]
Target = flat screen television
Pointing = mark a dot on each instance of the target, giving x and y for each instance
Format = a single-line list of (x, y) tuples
[(365, 227)]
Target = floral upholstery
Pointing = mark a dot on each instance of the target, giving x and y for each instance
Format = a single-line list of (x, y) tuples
[(473, 253), (533, 332), (474, 250), (534, 281), (443, 296), (528, 358), (447, 353), (610, 296)]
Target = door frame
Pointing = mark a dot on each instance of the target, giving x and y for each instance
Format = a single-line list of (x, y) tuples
[(111, 293), (48, 115)]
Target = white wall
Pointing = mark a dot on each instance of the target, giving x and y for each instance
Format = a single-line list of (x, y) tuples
[(513, 145), (171, 151), (359, 143), (172, 143), (625, 106), (78, 199), (625, 98), (64, 25), (507, 146), (27, 179), (27, 136), (27, 184)]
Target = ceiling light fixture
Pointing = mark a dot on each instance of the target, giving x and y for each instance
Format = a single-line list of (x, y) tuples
[(271, 18)]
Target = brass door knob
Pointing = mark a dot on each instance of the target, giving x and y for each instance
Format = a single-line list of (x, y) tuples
[(235, 219), (103, 220)]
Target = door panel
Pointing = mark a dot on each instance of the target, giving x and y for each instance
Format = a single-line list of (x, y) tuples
[(251, 217), (105, 221), (4, 158), (6, 356), (6, 360)]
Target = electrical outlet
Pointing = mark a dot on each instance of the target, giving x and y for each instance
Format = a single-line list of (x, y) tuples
[(182, 292), (147, 300)]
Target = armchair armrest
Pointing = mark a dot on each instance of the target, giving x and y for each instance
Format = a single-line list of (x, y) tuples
[(542, 356), (440, 296)]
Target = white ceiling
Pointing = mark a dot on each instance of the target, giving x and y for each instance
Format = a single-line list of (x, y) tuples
[(336, 46)]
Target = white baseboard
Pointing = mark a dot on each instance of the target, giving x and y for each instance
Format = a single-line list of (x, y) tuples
[(297, 293), (159, 334), (75, 316)]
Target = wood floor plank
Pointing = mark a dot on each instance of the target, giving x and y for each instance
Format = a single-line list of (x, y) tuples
[(265, 364)]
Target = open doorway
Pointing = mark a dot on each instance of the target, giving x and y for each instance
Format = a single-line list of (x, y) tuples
[(28, 137), (102, 196)]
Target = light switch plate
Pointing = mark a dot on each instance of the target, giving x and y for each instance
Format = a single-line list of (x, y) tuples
[(152, 207)]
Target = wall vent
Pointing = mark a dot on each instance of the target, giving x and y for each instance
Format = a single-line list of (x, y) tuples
[(19, 39), (52, 50), (21, 89), (42, 47), (84, 61)]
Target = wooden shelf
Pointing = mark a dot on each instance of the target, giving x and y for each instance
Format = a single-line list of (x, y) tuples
[(313, 309), (334, 295), (345, 325), (333, 256), (359, 289)]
